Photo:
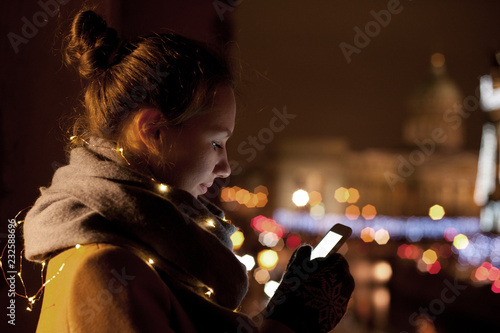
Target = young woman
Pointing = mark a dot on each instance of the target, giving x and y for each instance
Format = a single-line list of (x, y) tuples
[(131, 244)]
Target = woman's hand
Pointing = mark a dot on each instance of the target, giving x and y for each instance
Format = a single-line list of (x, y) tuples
[(313, 294)]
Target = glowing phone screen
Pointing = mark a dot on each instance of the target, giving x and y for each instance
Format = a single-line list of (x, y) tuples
[(326, 244)]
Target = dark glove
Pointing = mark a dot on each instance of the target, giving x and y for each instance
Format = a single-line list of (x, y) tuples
[(313, 294)]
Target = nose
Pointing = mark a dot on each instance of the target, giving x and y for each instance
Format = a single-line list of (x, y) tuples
[(222, 168)]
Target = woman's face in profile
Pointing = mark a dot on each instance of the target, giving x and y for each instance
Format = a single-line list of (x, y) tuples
[(198, 154)]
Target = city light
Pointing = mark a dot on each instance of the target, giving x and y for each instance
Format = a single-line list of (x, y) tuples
[(436, 212), (317, 211), (315, 198), (237, 238), (368, 235), (369, 212), (270, 288), (382, 236), (300, 198), (353, 195), (382, 271), (248, 261), (341, 194), (267, 259), (293, 241), (434, 268), (429, 257), (261, 275), (460, 241), (352, 212)]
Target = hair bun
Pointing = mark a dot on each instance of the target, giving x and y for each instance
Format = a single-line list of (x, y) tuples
[(91, 43)]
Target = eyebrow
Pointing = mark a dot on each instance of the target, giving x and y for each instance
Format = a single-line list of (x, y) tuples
[(223, 129)]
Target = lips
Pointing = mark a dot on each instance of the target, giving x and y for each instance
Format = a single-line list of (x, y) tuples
[(204, 187)]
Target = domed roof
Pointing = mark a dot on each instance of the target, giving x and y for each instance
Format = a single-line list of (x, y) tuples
[(434, 109)]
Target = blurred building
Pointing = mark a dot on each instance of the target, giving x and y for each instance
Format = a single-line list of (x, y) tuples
[(430, 169)]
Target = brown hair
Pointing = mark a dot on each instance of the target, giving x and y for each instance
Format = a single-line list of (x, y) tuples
[(165, 71)]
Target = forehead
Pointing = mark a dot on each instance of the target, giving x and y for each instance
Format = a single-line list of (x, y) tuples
[(221, 115)]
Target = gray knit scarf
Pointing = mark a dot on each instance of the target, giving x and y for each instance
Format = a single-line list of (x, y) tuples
[(98, 198)]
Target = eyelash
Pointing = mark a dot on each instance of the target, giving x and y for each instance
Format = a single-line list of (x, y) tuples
[(216, 145)]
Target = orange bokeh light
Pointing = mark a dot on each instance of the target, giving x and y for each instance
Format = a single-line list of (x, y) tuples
[(369, 212), (368, 235), (352, 212)]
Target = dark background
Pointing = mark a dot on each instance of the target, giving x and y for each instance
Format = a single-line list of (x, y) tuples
[(286, 53)]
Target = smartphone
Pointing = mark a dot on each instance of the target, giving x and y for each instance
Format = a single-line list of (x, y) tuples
[(332, 241)]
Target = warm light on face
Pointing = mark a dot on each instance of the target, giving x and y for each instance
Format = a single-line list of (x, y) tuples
[(300, 198)]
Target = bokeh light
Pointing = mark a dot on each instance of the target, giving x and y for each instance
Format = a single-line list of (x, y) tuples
[(293, 241), (270, 288), (261, 189), (353, 195), (495, 287), (267, 259), (261, 275), (300, 198), (341, 194), (460, 241), (382, 236), (317, 211), (369, 212), (434, 268), (406, 251), (315, 198), (429, 257), (481, 273), (368, 234), (436, 212), (450, 233), (248, 261), (268, 238), (244, 197), (237, 238), (381, 298), (352, 212), (382, 271)]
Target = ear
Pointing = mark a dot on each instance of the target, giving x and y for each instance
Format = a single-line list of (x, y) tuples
[(150, 124)]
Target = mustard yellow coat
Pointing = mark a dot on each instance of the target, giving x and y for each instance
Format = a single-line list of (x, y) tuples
[(106, 288)]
